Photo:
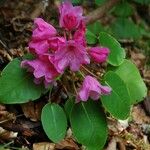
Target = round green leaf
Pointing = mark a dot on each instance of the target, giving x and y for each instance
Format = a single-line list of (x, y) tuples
[(96, 28), (100, 2), (17, 86), (142, 1), (118, 102), (117, 54), (76, 2), (88, 124), (90, 37), (123, 9), (129, 73), (54, 122), (124, 28), (69, 106)]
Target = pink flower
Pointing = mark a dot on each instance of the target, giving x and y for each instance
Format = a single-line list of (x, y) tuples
[(70, 54), (55, 42), (70, 17), (38, 47), (79, 35), (42, 32), (99, 54), (43, 69), (91, 88)]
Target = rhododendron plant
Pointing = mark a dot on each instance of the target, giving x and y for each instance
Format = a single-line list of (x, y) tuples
[(58, 52), (84, 87)]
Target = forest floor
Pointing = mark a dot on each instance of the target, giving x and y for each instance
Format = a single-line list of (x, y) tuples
[(20, 124)]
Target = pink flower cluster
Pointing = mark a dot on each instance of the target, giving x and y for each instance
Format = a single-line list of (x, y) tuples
[(54, 53)]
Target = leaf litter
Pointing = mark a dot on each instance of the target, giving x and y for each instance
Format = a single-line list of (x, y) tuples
[(21, 123)]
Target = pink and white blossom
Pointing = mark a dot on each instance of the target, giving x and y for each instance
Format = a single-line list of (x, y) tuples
[(91, 88)]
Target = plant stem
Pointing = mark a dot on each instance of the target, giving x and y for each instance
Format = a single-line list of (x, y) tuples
[(89, 71), (82, 74), (74, 88)]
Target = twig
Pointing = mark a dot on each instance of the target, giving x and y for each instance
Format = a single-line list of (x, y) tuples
[(91, 73), (25, 127), (6, 54), (100, 12), (6, 120), (82, 74), (1, 42)]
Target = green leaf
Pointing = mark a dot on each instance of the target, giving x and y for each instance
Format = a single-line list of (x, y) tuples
[(17, 86), (96, 28), (88, 124), (124, 28), (69, 106), (144, 32), (117, 53), (118, 102), (3, 148), (142, 1), (129, 73), (54, 122), (77, 1), (90, 37), (100, 2), (123, 9)]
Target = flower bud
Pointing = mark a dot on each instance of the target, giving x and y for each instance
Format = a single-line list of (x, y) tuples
[(99, 54)]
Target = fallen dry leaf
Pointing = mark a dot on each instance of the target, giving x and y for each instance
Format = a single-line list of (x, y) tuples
[(139, 116), (2, 110), (5, 115), (146, 104), (138, 58), (33, 110), (146, 76), (112, 145), (44, 146), (68, 144), (117, 126), (7, 135)]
